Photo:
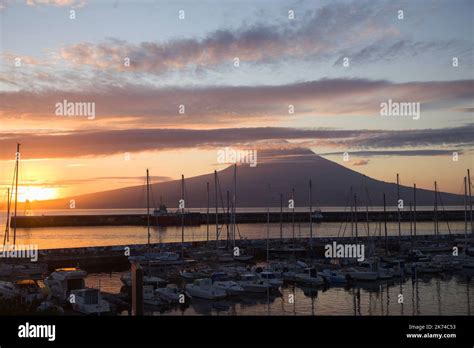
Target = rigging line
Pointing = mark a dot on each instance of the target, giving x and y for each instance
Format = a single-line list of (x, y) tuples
[(235, 223), (369, 204), (220, 227), (344, 222), (185, 194), (444, 214), (345, 210), (461, 193), (153, 202)]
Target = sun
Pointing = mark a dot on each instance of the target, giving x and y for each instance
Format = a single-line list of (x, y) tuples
[(34, 193)]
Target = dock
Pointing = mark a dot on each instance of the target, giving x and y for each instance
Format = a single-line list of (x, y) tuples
[(108, 258)]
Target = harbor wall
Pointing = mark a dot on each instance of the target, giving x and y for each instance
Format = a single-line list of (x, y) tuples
[(199, 218)]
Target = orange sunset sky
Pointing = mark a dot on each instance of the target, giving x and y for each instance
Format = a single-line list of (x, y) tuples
[(48, 57)]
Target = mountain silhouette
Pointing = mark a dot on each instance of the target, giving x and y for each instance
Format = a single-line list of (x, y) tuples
[(277, 171)]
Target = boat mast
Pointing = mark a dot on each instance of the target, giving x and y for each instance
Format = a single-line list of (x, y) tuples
[(293, 213), (234, 206), (207, 215), (148, 205), (182, 217), (411, 224), (311, 217), (228, 218), (355, 217), (367, 209), (398, 208), (217, 212), (385, 223), (352, 215), (436, 209), (470, 199), (268, 235), (414, 210), (465, 214), (6, 237), (16, 189), (281, 218)]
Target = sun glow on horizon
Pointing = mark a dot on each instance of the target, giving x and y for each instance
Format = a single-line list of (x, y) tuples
[(35, 193)]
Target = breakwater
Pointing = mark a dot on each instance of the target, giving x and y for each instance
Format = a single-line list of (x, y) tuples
[(222, 218)]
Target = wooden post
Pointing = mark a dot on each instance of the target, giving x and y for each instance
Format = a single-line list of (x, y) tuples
[(137, 289)]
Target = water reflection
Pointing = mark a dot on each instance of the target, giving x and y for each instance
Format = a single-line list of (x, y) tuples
[(449, 295)]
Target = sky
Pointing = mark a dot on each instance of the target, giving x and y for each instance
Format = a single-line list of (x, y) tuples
[(174, 82)]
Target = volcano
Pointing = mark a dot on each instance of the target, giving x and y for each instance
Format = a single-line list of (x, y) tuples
[(277, 172)]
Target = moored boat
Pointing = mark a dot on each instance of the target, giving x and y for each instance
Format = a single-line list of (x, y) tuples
[(203, 288)]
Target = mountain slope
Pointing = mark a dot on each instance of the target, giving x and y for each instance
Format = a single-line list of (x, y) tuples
[(277, 172)]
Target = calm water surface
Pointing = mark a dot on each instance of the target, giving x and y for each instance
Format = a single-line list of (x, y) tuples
[(448, 295)]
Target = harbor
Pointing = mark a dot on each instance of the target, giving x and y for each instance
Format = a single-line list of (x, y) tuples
[(190, 262), (172, 267)]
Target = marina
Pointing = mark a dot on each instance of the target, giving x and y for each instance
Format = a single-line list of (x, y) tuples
[(106, 268), (188, 263)]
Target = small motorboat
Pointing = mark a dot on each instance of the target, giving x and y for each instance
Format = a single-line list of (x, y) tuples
[(229, 286), (63, 280), (251, 283), (158, 258), (334, 277), (150, 297), (385, 273), (270, 278), (30, 290), (362, 274), (317, 215), (169, 294), (309, 277), (204, 288), (8, 290), (147, 280), (89, 301)]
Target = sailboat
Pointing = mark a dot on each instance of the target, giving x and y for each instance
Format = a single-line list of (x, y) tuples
[(154, 257), (16, 269)]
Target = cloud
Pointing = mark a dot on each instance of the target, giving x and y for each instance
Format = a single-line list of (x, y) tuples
[(384, 50), (108, 142), (237, 104), (57, 3), (467, 110), (360, 30), (68, 182), (432, 152), (320, 32)]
